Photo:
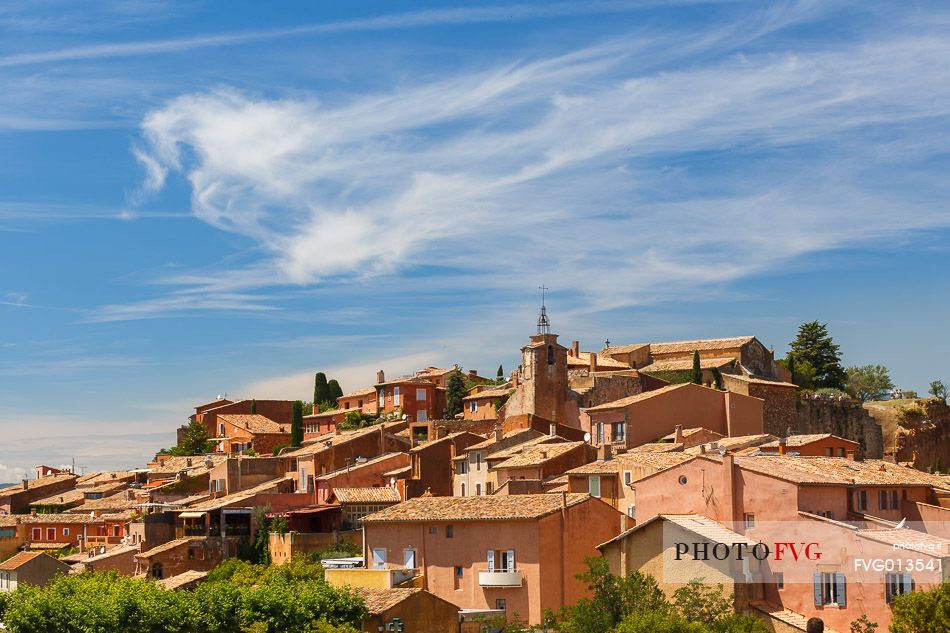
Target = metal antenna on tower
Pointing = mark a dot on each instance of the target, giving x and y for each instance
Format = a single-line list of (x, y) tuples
[(544, 326)]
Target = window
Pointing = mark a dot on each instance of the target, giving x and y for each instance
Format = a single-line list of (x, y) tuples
[(830, 588), (627, 477), (551, 355), (463, 490), (862, 500), (600, 432), (489, 488), (593, 485), (501, 604), (491, 560), (37, 534), (422, 415), (458, 577), (50, 534), (65, 531), (397, 400), (434, 529), (620, 431), (779, 580), (409, 558), (478, 490), (478, 461), (473, 406), (749, 521), (379, 557), (897, 585), (221, 429), (683, 480), (382, 398), (840, 452), (420, 395), (828, 514), (888, 500), (829, 452), (632, 512), (449, 531), (508, 561)]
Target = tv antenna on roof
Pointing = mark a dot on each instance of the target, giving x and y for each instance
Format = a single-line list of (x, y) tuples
[(544, 326)]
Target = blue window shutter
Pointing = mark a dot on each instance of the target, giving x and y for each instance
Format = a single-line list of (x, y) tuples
[(817, 579), (842, 589)]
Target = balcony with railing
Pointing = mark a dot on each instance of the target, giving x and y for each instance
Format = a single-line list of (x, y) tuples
[(500, 578)]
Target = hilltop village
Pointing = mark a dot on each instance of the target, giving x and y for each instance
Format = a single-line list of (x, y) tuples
[(654, 457)]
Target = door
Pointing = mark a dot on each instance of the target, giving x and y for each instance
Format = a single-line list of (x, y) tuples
[(410, 559), (491, 560), (379, 557)]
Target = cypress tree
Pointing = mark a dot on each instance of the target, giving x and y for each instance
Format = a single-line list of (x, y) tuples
[(296, 424), (501, 372), (696, 376), (454, 392), (335, 391), (253, 407), (717, 377), (321, 390)]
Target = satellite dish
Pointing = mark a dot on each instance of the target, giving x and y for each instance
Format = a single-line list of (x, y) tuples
[(586, 437), (405, 416), (901, 524)]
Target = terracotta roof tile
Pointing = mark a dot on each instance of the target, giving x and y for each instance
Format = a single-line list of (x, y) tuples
[(699, 345), (687, 364), (839, 471), (506, 440), (18, 560), (238, 497), (537, 455), (170, 545), (734, 443), (32, 519), (378, 601), (369, 391), (802, 440), (254, 423), (366, 495), (487, 508), (646, 395), (490, 393), (33, 484), (182, 579)]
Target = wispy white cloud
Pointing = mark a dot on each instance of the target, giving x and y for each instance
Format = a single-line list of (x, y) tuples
[(591, 151), (10, 474), (416, 19)]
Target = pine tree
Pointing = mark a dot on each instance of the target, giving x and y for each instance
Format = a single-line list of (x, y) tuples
[(335, 391), (696, 375), (321, 390), (814, 346), (296, 424), (454, 392)]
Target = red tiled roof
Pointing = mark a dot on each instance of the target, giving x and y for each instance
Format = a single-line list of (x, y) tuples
[(253, 423), (18, 560), (366, 495), (646, 395), (488, 508)]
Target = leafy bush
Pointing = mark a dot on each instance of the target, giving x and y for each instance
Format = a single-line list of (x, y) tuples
[(237, 596), (922, 611)]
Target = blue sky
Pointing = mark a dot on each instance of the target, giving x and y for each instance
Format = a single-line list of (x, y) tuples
[(207, 197)]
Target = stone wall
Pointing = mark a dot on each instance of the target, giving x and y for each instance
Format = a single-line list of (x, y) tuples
[(847, 419)]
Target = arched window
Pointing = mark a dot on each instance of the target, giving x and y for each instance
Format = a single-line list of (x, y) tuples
[(221, 429), (550, 354)]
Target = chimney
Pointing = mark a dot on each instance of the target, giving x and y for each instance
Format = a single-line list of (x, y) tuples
[(783, 446), (499, 433), (604, 452), (552, 429), (563, 501), (515, 377), (593, 362), (702, 449), (472, 373), (26, 484), (575, 349), (380, 376), (728, 465), (678, 434)]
